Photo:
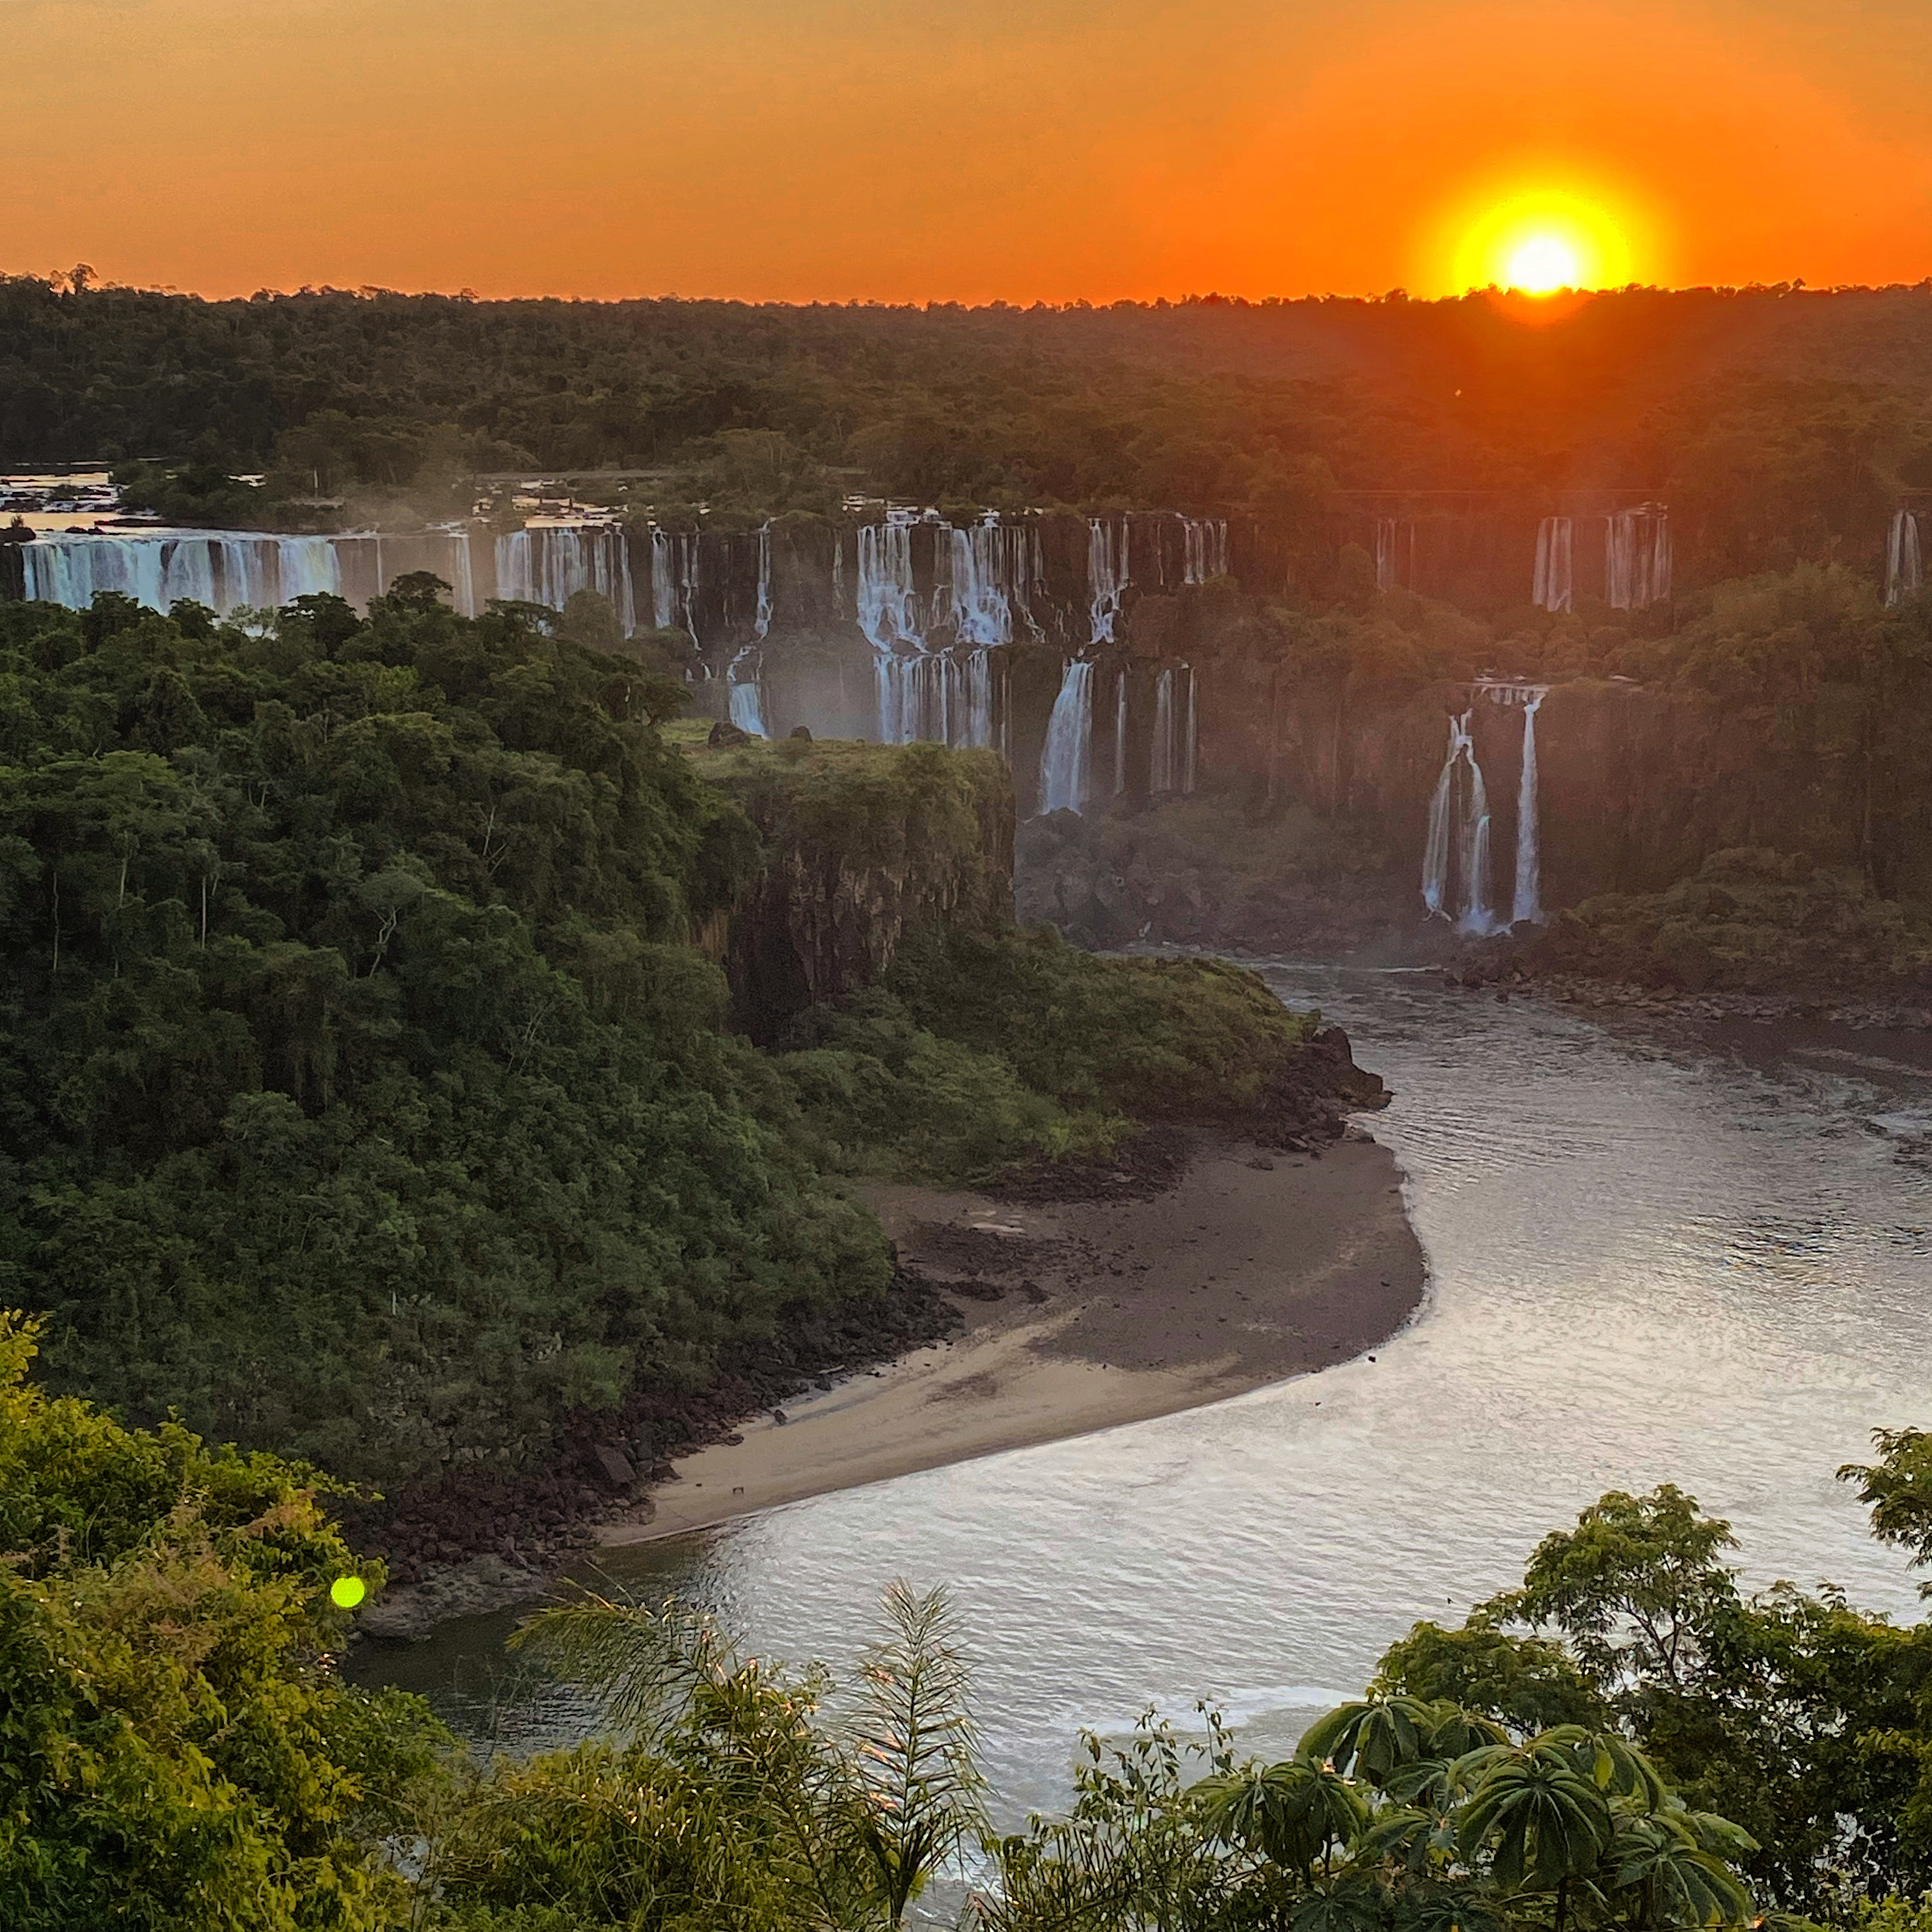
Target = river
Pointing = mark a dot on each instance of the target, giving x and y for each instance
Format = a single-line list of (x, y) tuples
[(1647, 1265)]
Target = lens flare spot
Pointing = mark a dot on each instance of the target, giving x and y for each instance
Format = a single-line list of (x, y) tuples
[(346, 1592)]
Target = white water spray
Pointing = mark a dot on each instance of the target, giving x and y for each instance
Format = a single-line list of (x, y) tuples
[(1107, 577)]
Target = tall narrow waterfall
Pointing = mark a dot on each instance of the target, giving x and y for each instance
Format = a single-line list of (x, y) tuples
[(1205, 548), (1070, 733), (1160, 746), (888, 611), (1120, 733), (1191, 740), (1528, 902), (1455, 858), (1555, 577), (1903, 574), (761, 618), (674, 581), (462, 573), (1107, 567), (1636, 557)]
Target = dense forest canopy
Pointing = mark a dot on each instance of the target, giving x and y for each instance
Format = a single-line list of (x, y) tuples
[(1780, 422)]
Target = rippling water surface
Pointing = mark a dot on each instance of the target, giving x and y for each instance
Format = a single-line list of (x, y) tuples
[(1646, 1268)]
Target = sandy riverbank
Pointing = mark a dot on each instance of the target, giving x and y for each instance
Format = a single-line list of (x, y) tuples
[(1252, 1267)]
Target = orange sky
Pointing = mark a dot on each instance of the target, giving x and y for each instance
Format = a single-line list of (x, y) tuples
[(796, 149)]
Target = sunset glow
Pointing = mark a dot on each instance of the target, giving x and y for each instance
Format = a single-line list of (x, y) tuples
[(1543, 239), (1542, 265)]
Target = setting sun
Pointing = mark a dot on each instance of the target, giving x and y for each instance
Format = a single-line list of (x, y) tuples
[(1542, 265), (1541, 239)]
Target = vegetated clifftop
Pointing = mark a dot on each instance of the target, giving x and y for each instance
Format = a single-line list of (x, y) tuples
[(865, 848)]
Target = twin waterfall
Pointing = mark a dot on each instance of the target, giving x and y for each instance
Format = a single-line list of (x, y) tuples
[(1455, 860)]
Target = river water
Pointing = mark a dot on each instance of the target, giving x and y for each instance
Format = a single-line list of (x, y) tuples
[(1647, 1266)]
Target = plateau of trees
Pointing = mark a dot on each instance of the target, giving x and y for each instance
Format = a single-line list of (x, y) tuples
[(1625, 1742)]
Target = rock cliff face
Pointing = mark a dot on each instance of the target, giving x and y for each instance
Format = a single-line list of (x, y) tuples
[(864, 847)]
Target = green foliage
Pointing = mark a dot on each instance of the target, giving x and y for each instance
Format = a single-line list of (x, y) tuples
[(175, 1748), (360, 1094)]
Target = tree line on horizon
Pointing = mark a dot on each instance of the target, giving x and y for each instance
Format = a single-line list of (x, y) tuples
[(1782, 423)]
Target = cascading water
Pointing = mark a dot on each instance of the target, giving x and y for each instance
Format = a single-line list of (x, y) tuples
[(462, 574), (888, 612), (1204, 541), (1636, 557), (979, 608), (1904, 574), (1555, 577), (1456, 857), (1190, 743), (549, 563), (742, 682), (1527, 903), (1107, 577), (1160, 752), (1120, 733), (1070, 731), (761, 618), (226, 570), (674, 581)]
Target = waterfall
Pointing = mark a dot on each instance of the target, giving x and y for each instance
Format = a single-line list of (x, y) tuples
[(748, 710), (1064, 762), (978, 681), (888, 610), (226, 570), (674, 581), (1457, 849), (981, 562), (761, 620), (516, 583), (1554, 576), (1192, 739), (1435, 847), (1902, 573), (1106, 577), (1389, 571), (1160, 753), (1636, 557), (1120, 733), (1528, 904), (1204, 542), (462, 575)]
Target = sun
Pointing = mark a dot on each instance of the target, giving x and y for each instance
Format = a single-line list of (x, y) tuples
[(1539, 237), (1542, 265)]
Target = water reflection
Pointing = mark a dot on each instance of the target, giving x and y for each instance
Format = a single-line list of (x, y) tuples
[(1646, 1267)]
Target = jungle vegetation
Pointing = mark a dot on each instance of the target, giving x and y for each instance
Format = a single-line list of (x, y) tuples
[(1625, 1743), (365, 1091)]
